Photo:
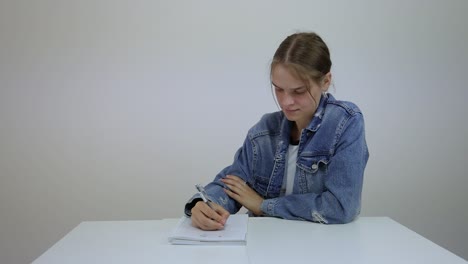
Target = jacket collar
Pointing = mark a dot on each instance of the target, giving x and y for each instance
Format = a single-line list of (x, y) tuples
[(314, 125)]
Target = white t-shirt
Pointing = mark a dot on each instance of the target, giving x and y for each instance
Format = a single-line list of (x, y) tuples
[(288, 180)]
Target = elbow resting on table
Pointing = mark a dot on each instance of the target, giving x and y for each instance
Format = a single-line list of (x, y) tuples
[(340, 216)]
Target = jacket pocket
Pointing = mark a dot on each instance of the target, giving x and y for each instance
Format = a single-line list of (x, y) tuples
[(312, 173)]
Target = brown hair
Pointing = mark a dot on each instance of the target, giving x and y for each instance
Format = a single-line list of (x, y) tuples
[(306, 55)]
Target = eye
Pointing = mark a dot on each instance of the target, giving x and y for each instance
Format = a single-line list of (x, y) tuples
[(300, 91), (278, 90)]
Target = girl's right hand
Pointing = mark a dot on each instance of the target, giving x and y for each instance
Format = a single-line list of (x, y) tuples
[(205, 218)]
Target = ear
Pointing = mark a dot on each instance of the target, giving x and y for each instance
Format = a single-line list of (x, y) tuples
[(326, 81)]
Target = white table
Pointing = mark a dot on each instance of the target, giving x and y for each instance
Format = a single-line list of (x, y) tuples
[(269, 240)]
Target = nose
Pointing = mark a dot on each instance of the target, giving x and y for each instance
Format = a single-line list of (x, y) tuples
[(288, 99)]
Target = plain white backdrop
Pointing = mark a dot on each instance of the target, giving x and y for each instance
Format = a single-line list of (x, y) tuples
[(113, 110)]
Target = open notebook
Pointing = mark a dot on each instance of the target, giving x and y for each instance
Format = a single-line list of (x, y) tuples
[(234, 232)]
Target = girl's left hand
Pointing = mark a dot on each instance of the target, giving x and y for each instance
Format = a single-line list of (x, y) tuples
[(242, 193)]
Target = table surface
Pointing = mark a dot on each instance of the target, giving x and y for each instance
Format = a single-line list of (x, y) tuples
[(269, 240)]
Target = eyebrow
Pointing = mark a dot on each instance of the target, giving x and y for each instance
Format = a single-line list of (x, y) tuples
[(289, 88)]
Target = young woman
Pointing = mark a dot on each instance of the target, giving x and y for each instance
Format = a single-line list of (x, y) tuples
[(305, 162)]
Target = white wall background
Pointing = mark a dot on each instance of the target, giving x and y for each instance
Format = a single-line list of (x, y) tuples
[(113, 110)]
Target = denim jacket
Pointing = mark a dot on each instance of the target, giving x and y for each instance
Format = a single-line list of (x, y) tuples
[(331, 159)]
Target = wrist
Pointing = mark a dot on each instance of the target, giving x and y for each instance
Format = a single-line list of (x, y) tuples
[(258, 211)]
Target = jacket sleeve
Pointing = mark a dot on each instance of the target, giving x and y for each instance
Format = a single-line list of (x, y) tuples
[(341, 200), (240, 167)]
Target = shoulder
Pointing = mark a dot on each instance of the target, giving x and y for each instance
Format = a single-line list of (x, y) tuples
[(268, 124), (339, 107), (342, 123), (339, 115)]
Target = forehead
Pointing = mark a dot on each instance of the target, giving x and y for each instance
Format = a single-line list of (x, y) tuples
[(282, 77)]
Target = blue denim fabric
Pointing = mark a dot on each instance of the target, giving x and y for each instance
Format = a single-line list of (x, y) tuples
[(332, 156)]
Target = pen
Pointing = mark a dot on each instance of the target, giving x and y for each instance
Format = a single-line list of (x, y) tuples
[(201, 191)]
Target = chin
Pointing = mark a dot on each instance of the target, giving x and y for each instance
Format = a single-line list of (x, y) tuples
[(290, 118)]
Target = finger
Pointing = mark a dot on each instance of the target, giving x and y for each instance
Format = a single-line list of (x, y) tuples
[(216, 213), (232, 188), (236, 179), (223, 213), (205, 223), (234, 185), (201, 220), (210, 224), (232, 194), (218, 208)]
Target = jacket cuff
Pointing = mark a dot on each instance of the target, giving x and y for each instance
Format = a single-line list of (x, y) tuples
[(268, 207)]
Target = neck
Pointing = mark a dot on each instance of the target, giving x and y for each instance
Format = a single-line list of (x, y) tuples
[(295, 133), (300, 125)]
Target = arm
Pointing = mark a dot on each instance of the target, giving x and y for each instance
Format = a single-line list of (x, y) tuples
[(241, 167), (341, 200)]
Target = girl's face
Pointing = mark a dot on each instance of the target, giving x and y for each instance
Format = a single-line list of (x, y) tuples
[(294, 98)]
